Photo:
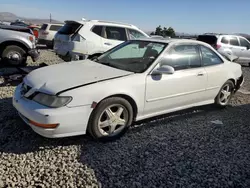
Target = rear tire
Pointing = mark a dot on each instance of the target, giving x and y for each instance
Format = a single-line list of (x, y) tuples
[(225, 94), (50, 45), (14, 56), (110, 119)]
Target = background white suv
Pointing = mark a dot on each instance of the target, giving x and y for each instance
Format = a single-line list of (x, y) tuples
[(90, 38), (47, 33), (229, 45)]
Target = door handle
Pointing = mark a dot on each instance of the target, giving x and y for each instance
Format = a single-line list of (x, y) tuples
[(200, 74), (106, 43)]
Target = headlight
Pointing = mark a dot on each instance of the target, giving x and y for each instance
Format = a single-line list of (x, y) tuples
[(51, 100)]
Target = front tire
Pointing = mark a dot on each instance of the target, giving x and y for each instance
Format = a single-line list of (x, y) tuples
[(225, 94), (111, 118), (14, 55)]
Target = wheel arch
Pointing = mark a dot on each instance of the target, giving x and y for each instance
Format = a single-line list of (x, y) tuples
[(233, 80), (16, 43), (126, 97)]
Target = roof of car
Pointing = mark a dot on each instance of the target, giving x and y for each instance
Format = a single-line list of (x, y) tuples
[(54, 23), (166, 40), (103, 22), (12, 27)]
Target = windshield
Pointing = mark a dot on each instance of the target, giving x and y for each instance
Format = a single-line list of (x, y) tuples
[(133, 56)]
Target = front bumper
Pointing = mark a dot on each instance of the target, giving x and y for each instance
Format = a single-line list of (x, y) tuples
[(239, 83), (72, 121), (34, 54)]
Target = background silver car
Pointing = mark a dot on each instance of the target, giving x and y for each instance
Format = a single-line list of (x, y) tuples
[(229, 45)]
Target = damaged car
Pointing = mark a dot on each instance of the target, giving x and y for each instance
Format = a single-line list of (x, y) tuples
[(16, 44), (135, 80)]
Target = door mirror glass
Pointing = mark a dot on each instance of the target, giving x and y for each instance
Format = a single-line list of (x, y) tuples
[(164, 69)]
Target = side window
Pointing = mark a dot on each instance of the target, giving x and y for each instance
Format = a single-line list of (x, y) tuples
[(244, 43), (97, 30), (234, 41), (55, 27), (225, 40), (116, 33), (209, 57), (133, 34), (184, 57)]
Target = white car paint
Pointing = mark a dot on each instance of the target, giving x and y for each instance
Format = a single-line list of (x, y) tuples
[(93, 82), (85, 42)]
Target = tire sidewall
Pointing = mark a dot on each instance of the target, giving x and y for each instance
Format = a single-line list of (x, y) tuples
[(217, 100), (98, 111), (14, 49)]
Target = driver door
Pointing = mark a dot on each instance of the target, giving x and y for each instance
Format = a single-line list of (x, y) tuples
[(186, 86)]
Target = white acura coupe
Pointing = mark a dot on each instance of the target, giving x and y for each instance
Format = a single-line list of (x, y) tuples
[(135, 80)]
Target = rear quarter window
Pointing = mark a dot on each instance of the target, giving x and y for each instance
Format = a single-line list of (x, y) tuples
[(55, 27), (97, 30), (44, 26), (225, 40)]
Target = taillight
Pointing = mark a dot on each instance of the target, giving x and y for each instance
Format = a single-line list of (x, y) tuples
[(218, 46), (31, 38)]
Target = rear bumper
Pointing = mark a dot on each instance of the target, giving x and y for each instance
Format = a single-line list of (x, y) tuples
[(34, 54), (72, 56), (44, 41)]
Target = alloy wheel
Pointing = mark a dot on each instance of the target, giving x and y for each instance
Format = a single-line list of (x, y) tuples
[(113, 120)]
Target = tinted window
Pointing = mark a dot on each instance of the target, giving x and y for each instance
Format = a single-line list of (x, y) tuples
[(97, 30), (55, 27), (184, 57), (44, 26), (133, 34), (209, 39), (116, 33), (209, 57), (234, 41), (224, 40), (69, 28), (244, 42)]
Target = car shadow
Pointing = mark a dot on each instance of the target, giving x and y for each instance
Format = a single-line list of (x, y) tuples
[(199, 147)]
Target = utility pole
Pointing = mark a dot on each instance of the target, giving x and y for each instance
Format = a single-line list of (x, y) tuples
[(50, 18)]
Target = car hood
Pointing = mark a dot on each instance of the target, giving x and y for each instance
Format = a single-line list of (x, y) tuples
[(56, 78)]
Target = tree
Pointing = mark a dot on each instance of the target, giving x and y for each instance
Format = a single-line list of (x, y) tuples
[(164, 32), (170, 32), (158, 30), (152, 33)]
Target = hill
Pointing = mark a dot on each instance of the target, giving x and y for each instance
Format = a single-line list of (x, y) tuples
[(10, 17)]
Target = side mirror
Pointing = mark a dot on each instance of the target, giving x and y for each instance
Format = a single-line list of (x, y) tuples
[(247, 47), (164, 69)]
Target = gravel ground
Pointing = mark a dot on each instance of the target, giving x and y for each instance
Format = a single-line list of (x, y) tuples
[(183, 149)]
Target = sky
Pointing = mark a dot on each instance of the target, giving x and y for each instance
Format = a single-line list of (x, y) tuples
[(189, 16)]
